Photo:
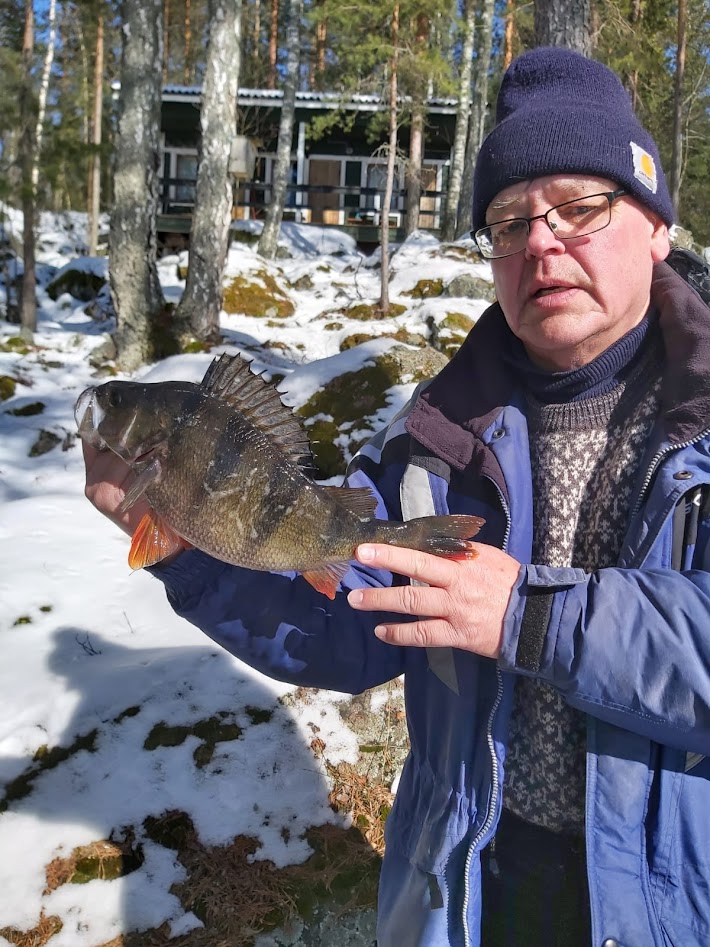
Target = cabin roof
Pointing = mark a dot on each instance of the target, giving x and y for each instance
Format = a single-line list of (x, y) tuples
[(306, 100)]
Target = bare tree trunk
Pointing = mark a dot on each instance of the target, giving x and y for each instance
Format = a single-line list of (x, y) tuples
[(197, 314), (282, 166), (28, 115), (187, 65), (463, 111), (509, 35), (564, 23), (273, 43), (256, 38), (413, 174), (479, 107), (321, 43), (95, 173), (43, 87), (135, 288), (676, 161), (166, 40), (384, 305)]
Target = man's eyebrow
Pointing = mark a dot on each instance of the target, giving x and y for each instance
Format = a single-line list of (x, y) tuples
[(564, 188)]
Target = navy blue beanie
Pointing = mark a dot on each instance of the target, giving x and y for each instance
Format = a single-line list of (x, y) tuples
[(558, 111)]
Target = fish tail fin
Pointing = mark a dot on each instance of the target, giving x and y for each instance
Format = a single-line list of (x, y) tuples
[(327, 577), (446, 536), (153, 541)]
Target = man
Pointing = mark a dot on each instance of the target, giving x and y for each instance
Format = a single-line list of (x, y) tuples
[(557, 685)]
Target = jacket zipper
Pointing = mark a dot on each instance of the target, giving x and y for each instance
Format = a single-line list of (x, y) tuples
[(495, 783), (656, 460)]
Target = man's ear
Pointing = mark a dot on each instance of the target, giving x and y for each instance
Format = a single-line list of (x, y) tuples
[(660, 240)]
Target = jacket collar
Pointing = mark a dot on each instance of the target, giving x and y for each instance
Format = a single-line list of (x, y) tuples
[(451, 415)]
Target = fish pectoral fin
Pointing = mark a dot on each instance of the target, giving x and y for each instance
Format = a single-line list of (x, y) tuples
[(327, 578), (145, 479), (153, 541)]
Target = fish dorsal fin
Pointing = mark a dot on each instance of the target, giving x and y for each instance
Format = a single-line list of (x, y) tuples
[(358, 500), (230, 379)]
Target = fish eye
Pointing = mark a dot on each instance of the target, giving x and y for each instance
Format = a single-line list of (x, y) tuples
[(115, 397)]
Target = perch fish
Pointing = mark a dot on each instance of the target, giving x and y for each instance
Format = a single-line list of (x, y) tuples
[(224, 467)]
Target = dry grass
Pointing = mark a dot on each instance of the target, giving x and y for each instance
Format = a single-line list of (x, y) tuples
[(46, 928), (235, 896)]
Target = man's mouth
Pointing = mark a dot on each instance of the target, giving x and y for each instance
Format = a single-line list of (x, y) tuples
[(550, 290)]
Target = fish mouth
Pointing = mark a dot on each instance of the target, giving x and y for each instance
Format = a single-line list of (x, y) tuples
[(88, 415)]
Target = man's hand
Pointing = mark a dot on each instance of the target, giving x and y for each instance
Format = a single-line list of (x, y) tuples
[(462, 605), (108, 479)]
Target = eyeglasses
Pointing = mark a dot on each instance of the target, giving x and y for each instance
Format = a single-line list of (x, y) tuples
[(576, 218)]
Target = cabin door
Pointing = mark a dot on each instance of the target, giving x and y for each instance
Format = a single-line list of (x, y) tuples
[(325, 207)]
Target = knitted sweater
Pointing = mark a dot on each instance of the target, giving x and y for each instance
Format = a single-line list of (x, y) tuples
[(586, 455)]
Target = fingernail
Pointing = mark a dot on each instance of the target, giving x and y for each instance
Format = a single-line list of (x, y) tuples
[(381, 632), (366, 552), (355, 597)]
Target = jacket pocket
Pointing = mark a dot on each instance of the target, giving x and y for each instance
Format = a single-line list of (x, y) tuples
[(429, 820)]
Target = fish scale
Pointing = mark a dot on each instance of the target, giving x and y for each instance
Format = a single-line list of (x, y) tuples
[(223, 467)]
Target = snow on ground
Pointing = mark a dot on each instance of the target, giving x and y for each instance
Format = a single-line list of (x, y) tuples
[(93, 652)]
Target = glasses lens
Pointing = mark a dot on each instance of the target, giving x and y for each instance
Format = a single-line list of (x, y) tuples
[(504, 238), (577, 218)]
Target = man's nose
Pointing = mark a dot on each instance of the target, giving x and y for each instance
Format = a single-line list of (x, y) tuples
[(542, 239)]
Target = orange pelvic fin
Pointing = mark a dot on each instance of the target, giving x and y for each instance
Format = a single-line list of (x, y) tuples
[(152, 541), (467, 551), (327, 578)]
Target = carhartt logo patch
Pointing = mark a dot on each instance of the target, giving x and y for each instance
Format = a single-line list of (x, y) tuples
[(644, 167)]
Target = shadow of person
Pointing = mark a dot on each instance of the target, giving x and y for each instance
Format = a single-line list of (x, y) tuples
[(185, 796)]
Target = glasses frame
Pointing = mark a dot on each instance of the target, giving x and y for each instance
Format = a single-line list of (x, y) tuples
[(611, 196)]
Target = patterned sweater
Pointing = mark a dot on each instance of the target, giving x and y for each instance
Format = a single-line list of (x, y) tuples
[(586, 456)]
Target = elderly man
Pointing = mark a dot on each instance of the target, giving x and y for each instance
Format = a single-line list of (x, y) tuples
[(558, 684)]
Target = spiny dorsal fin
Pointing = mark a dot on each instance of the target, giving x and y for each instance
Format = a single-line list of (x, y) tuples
[(358, 500), (230, 379)]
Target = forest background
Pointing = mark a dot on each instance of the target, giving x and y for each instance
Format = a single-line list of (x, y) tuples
[(64, 97)]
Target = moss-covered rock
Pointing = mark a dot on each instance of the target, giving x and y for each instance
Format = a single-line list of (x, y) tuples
[(216, 729), (28, 410), (448, 334), (367, 311), (471, 287), (348, 402), (46, 441), (261, 296), (15, 344), (7, 387), (80, 284), (357, 338), (426, 289), (245, 237)]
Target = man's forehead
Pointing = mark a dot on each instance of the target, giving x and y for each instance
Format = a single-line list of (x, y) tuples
[(557, 187)]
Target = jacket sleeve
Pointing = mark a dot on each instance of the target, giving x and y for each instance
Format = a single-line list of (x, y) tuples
[(628, 646), (279, 624)]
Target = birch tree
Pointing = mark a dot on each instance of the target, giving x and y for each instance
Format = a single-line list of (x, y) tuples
[(282, 166), (197, 315), (94, 201), (135, 287), (479, 108), (676, 159), (463, 111), (28, 116), (384, 304), (43, 89)]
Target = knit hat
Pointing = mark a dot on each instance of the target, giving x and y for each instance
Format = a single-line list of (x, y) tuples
[(558, 111)]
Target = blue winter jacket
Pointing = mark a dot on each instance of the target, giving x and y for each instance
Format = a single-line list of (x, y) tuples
[(629, 646)]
